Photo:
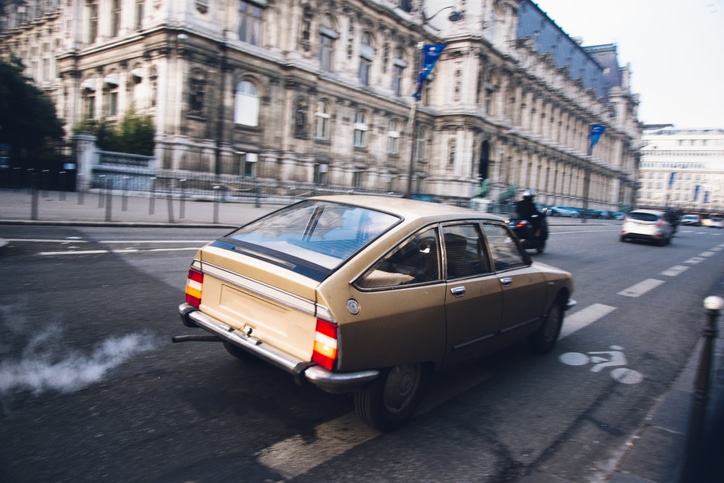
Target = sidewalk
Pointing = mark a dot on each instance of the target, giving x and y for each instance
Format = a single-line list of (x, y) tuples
[(655, 454), (117, 209)]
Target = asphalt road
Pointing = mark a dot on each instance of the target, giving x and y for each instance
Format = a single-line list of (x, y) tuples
[(92, 389)]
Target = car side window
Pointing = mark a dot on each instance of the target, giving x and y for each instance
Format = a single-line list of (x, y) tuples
[(416, 260), (465, 252), (506, 253)]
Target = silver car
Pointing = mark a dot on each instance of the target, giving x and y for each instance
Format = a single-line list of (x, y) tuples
[(647, 225)]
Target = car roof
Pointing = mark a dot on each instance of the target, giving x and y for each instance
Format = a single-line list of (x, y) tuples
[(410, 209), (651, 212)]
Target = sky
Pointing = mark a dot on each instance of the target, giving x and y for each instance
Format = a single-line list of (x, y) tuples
[(674, 48)]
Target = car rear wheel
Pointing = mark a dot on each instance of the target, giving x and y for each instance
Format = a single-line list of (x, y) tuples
[(389, 401), (544, 339), (238, 352)]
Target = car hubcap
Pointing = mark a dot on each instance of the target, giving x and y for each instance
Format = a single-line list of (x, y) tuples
[(401, 385)]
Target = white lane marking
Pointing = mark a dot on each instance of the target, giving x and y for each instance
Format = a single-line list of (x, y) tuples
[(583, 318), (136, 250), (694, 260), (674, 271), (45, 240), (706, 254), (641, 288), (80, 252), (295, 456)]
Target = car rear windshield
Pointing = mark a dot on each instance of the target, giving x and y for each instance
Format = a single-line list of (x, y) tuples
[(643, 216), (313, 234)]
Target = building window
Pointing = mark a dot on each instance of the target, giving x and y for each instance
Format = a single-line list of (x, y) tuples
[(358, 179), (321, 120), (89, 105), (116, 18), (320, 174), (93, 23), (250, 23), (140, 6), (398, 71), (360, 130), (246, 104), (327, 36), (393, 138), (197, 92), (420, 144), (366, 56), (247, 164), (405, 5)]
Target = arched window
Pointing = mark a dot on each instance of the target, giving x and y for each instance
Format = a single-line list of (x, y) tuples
[(321, 121), (398, 71), (360, 130), (327, 36), (393, 137), (246, 104), (366, 56)]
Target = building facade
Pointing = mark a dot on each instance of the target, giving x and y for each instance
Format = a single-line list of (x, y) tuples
[(682, 169), (319, 92)]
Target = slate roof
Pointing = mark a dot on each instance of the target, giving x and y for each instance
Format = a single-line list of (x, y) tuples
[(597, 66)]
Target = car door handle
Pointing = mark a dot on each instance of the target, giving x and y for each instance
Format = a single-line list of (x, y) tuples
[(506, 281), (458, 291)]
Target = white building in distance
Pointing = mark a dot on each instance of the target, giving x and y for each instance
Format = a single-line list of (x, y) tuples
[(682, 169)]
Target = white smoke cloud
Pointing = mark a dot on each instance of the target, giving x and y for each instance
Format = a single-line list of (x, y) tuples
[(42, 367)]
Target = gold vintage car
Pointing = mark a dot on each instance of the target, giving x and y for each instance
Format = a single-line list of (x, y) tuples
[(372, 294)]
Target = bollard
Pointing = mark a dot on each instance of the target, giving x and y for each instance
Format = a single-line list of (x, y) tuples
[(697, 419), (34, 196), (109, 198), (124, 199), (152, 198), (216, 203), (182, 203), (101, 185), (61, 176)]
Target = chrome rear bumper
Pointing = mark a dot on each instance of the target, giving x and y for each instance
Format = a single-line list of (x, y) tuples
[(326, 380)]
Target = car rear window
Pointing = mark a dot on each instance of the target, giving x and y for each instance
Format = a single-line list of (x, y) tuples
[(643, 216), (313, 233)]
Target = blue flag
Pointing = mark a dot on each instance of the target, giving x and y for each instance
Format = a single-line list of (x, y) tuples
[(430, 54), (596, 132)]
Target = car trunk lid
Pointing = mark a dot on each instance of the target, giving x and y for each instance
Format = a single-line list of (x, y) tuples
[(261, 299)]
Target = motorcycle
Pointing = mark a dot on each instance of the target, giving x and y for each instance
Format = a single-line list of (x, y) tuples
[(532, 234)]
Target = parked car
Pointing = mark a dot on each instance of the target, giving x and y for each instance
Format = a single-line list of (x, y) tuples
[(647, 225), (716, 222), (563, 211), (692, 220), (371, 295)]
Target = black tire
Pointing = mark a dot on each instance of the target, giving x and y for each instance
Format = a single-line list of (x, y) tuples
[(238, 352), (389, 401), (545, 338), (541, 246)]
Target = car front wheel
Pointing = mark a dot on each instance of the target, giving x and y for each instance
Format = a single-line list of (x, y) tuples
[(388, 402)]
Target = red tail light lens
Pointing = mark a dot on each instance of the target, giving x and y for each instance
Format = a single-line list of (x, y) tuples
[(325, 344), (194, 283)]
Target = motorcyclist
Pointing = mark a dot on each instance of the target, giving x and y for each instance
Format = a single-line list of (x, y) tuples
[(527, 210)]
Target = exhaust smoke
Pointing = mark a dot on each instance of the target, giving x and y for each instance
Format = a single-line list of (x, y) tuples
[(43, 367)]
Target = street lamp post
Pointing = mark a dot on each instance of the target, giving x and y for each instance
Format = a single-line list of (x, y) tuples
[(430, 54)]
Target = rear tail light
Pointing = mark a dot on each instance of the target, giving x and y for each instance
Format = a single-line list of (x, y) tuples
[(194, 283), (325, 344)]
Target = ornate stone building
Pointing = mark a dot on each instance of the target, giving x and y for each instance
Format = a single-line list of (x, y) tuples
[(319, 92)]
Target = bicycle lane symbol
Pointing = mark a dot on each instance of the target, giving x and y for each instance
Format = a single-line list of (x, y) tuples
[(605, 359)]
